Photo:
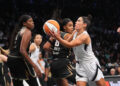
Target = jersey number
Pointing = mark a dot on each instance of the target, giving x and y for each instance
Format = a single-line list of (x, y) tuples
[(57, 43)]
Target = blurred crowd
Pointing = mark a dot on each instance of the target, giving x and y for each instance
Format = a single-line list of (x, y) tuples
[(103, 31)]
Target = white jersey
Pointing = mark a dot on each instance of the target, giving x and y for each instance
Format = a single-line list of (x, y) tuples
[(35, 58), (87, 64), (35, 54), (83, 52), (42, 66)]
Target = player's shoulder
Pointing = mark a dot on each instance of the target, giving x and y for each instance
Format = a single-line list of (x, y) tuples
[(84, 35), (62, 34), (27, 31), (65, 35)]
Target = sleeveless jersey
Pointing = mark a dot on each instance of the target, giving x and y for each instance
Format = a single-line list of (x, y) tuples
[(83, 52), (16, 46), (60, 51), (15, 51), (35, 54)]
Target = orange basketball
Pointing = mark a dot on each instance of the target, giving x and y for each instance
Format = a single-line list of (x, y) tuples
[(51, 25)]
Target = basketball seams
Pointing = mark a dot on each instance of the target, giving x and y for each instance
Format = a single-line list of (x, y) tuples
[(55, 23), (51, 25)]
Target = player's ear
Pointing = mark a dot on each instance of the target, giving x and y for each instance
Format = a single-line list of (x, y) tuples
[(64, 27), (85, 25), (24, 23)]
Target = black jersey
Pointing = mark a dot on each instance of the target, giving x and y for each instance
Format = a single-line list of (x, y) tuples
[(20, 68), (15, 51), (60, 51)]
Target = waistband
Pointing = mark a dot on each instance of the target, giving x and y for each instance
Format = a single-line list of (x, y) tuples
[(87, 61)]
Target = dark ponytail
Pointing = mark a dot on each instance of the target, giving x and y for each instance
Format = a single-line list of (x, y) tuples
[(87, 20)]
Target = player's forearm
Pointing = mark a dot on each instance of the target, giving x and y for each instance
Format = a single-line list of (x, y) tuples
[(24, 53), (70, 38), (47, 46), (46, 72)]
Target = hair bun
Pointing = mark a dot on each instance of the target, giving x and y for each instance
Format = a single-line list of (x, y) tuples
[(90, 17)]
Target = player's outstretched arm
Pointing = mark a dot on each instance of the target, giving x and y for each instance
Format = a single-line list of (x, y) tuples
[(78, 41)]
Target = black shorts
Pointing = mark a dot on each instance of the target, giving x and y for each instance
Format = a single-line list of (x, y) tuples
[(61, 68), (20, 68)]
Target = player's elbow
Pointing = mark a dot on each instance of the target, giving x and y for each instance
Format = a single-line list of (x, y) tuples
[(46, 47), (22, 51)]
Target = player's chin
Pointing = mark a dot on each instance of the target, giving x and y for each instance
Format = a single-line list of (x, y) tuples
[(76, 28)]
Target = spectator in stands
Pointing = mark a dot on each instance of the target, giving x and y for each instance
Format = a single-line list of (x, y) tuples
[(112, 71), (118, 70), (104, 70)]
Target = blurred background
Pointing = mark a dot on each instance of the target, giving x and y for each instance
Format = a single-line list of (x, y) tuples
[(103, 31)]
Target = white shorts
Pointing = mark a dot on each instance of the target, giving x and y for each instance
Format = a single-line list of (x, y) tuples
[(88, 71)]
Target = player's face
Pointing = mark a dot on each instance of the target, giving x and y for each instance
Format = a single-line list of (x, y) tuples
[(29, 23), (38, 39), (79, 24), (69, 27)]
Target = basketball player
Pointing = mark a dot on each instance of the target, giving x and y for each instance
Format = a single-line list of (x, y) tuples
[(2, 78), (35, 53), (6, 76), (44, 67), (87, 65), (61, 67), (20, 64), (34, 49)]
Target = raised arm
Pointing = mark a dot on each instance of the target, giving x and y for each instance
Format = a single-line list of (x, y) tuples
[(31, 48), (82, 39)]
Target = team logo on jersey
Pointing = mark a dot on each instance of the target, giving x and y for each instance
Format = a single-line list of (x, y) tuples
[(56, 48)]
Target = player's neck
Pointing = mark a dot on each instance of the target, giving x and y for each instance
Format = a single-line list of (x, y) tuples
[(81, 31), (37, 44)]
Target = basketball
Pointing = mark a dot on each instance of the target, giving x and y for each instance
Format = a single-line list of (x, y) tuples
[(51, 25)]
